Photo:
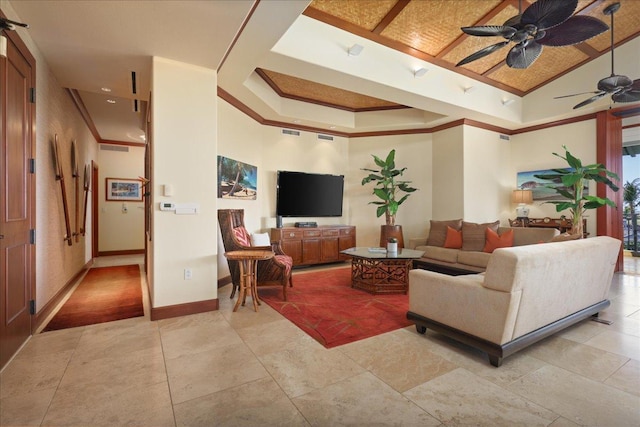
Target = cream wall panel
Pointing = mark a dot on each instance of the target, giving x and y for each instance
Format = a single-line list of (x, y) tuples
[(120, 230), (533, 151), (487, 186), (184, 116), (412, 152), (448, 174), (56, 262)]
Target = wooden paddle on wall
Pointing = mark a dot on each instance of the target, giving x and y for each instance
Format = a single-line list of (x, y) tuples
[(60, 177), (87, 182), (76, 176)]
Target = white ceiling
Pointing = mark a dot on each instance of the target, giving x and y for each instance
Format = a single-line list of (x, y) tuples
[(95, 44)]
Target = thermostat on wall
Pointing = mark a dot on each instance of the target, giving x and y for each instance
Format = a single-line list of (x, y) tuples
[(167, 206)]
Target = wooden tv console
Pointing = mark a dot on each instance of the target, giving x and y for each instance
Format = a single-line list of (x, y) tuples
[(317, 245)]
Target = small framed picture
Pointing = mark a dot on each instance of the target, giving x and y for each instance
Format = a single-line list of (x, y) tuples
[(119, 189)]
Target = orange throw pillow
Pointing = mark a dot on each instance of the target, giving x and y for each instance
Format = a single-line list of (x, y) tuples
[(494, 241), (454, 238)]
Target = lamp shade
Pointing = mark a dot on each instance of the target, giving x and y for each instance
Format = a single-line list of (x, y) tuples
[(522, 196)]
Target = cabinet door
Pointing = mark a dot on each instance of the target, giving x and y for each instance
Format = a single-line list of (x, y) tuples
[(293, 248), (330, 249), (346, 242), (311, 251)]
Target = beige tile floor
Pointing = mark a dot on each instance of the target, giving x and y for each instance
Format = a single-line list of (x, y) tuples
[(258, 369)]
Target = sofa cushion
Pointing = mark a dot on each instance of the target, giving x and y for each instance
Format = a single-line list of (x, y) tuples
[(441, 254), (495, 241), (454, 239), (438, 231), (475, 259), (473, 234), (530, 235)]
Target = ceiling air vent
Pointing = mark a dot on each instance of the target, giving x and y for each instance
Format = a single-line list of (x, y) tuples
[(109, 147), (134, 83), (325, 137), (505, 137), (290, 132)]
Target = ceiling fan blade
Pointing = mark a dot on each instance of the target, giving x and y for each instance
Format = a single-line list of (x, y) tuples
[(575, 94), (549, 13), (613, 83), (482, 53), (573, 31), (524, 54), (490, 30), (626, 96), (590, 100)]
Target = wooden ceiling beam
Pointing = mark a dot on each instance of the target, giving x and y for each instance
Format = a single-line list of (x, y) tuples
[(389, 17)]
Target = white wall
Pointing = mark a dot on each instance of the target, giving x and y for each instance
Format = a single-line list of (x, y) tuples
[(56, 262), (242, 138), (120, 230), (487, 183), (412, 152), (184, 120), (448, 174), (533, 151)]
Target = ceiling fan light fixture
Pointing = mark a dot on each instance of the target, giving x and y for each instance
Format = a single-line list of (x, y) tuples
[(419, 72), (355, 50)]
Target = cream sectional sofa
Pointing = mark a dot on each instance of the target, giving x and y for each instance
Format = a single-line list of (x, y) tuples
[(527, 293), (460, 261)]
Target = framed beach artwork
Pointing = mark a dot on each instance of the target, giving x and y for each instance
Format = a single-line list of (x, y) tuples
[(122, 189), (542, 190), (236, 180)]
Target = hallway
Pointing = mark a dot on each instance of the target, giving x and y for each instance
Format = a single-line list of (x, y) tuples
[(247, 368)]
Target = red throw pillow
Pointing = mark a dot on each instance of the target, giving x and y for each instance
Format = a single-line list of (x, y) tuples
[(494, 241), (453, 239)]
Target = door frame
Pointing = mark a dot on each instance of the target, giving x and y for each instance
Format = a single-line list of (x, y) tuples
[(94, 209)]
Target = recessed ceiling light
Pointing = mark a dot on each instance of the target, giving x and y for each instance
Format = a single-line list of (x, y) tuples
[(105, 89), (355, 50), (111, 101), (419, 72)]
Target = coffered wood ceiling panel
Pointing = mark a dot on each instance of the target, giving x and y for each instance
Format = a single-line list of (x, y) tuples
[(430, 30)]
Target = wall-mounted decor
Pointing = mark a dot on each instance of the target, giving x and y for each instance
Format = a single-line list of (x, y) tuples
[(540, 188), (121, 189), (60, 178), (236, 180)]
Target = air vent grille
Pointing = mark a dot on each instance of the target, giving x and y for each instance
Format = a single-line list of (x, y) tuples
[(109, 147), (325, 137), (290, 132), (505, 137)]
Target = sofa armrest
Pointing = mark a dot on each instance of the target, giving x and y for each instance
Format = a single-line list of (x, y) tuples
[(417, 241), (463, 303)]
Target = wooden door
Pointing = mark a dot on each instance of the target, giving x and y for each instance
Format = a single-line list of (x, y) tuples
[(17, 197)]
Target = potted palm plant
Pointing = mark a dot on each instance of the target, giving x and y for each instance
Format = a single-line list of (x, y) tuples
[(631, 196), (570, 184), (388, 190)]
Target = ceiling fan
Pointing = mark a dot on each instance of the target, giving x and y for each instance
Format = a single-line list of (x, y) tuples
[(621, 88), (543, 23)]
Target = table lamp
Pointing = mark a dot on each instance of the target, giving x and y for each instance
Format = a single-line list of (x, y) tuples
[(522, 198)]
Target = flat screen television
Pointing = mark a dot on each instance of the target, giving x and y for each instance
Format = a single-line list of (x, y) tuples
[(301, 194)]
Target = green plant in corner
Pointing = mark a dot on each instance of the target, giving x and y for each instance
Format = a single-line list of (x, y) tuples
[(573, 181), (388, 186)]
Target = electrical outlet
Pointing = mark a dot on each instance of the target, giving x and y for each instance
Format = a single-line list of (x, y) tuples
[(188, 274)]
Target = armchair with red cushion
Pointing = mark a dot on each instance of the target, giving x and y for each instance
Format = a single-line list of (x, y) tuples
[(235, 237)]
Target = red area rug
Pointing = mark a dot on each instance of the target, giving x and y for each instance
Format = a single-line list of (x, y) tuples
[(325, 306), (105, 294)]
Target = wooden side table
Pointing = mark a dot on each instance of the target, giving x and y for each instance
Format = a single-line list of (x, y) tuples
[(248, 261)]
